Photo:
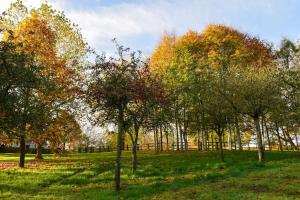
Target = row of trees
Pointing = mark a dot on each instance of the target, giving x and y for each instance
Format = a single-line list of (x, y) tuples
[(197, 86)]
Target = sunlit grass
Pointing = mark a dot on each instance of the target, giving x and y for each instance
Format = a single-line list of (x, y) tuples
[(189, 175)]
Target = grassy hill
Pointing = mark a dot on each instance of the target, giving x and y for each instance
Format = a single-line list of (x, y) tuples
[(168, 175)]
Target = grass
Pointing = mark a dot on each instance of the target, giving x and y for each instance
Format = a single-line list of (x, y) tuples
[(169, 175)]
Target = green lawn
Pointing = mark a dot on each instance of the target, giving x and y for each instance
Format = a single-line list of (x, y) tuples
[(189, 175)]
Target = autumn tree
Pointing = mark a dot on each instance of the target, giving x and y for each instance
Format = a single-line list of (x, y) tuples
[(113, 89), (37, 31)]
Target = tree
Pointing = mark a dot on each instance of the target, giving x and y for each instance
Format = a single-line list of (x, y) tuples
[(113, 87), (47, 36), (149, 94)]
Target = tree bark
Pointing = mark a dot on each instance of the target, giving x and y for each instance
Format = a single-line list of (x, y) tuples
[(161, 138), (220, 134), (229, 138), (181, 139), (259, 140), (279, 139), (198, 139), (134, 158), (267, 133), (38, 155), (22, 151), (167, 139), (154, 135), (238, 133), (119, 149), (177, 136)]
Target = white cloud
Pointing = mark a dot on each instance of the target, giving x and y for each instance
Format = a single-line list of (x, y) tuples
[(140, 23)]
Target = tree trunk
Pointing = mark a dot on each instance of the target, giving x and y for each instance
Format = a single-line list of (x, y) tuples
[(279, 139), (268, 135), (157, 140), (134, 158), (161, 138), (220, 134), (203, 139), (177, 136), (119, 150), (154, 135), (22, 150), (238, 134), (38, 155), (259, 140), (167, 140), (198, 139), (229, 138), (181, 140)]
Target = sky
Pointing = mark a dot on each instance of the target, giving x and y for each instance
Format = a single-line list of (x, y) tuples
[(139, 24)]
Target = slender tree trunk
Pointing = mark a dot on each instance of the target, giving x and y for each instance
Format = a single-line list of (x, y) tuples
[(177, 136), (268, 135), (161, 138), (22, 150), (167, 139), (119, 149), (220, 134), (285, 139), (203, 139), (181, 139), (279, 139), (262, 130), (134, 157), (134, 141), (157, 140), (185, 141), (212, 142), (154, 139), (229, 138), (238, 134), (259, 140), (198, 139), (38, 155)]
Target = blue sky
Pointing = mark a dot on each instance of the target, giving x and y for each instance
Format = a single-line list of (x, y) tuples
[(139, 24)]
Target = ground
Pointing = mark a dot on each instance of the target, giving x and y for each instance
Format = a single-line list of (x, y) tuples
[(183, 175)]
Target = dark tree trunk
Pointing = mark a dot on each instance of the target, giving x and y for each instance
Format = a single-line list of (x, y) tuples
[(22, 150), (279, 139), (161, 138), (229, 138), (177, 136), (203, 140), (38, 155), (134, 158), (238, 134), (119, 150), (259, 140), (198, 139), (157, 140), (154, 135), (181, 139), (220, 135), (167, 140), (134, 140), (267, 133)]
